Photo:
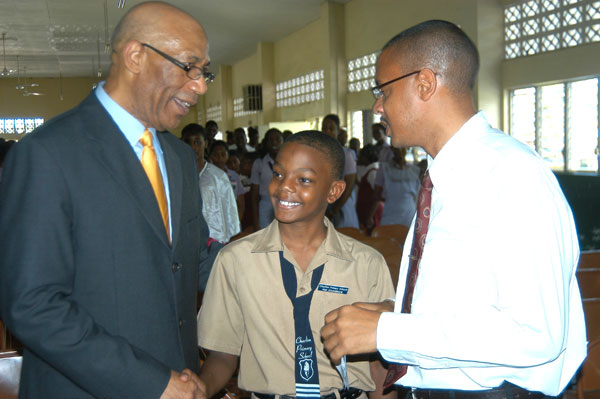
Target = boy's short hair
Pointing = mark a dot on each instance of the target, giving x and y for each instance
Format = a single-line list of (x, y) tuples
[(192, 129), (330, 147), (211, 123), (334, 118), (218, 143)]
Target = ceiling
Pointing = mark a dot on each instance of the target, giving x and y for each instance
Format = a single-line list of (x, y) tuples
[(52, 37)]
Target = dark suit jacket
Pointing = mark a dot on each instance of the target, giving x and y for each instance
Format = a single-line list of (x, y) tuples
[(88, 281)]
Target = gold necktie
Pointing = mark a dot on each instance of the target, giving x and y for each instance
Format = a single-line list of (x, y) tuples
[(150, 165)]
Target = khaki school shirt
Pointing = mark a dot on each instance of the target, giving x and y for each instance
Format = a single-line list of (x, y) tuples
[(246, 311)]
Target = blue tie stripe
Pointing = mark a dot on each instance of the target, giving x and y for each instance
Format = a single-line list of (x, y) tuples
[(305, 358)]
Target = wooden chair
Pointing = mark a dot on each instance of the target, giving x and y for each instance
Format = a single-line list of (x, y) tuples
[(588, 385), (589, 282), (591, 310), (7, 341), (247, 231), (352, 232), (391, 251), (396, 231), (10, 373), (589, 259)]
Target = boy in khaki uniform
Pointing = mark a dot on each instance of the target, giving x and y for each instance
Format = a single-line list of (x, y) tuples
[(269, 292)]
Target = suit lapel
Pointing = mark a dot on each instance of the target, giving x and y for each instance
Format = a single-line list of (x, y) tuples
[(116, 155), (175, 176)]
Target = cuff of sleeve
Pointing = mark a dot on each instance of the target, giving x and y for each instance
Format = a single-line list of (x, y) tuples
[(394, 337)]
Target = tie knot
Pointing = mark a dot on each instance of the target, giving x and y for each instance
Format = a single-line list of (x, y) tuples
[(146, 139)]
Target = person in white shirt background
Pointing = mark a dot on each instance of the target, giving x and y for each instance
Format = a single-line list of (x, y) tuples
[(218, 201), (260, 177), (219, 156), (397, 184), (343, 211), (496, 310)]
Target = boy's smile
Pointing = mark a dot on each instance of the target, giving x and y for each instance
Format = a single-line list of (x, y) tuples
[(302, 184)]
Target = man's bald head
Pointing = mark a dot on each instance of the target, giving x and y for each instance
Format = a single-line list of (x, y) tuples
[(149, 21), (442, 47), (144, 78)]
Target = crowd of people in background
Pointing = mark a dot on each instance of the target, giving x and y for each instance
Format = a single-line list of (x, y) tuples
[(381, 186)]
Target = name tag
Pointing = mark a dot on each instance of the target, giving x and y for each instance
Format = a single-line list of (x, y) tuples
[(335, 289)]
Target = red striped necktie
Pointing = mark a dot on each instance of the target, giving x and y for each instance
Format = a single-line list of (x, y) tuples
[(396, 370)]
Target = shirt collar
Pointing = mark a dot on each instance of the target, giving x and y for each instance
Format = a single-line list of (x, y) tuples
[(333, 246), (131, 128), (455, 153)]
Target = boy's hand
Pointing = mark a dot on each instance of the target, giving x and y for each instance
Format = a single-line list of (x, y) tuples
[(182, 386), (352, 329), (188, 374)]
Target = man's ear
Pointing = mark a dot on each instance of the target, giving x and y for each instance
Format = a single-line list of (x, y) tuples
[(336, 190), (427, 84), (133, 56)]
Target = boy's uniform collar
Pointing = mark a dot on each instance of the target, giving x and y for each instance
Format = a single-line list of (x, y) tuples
[(333, 246)]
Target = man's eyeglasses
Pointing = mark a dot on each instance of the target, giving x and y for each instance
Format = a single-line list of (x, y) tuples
[(378, 93), (193, 72)]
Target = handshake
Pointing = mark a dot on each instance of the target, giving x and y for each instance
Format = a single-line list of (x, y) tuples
[(185, 385)]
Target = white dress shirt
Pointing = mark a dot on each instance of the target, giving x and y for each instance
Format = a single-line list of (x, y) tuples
[(496, 297), (218, 203), (262, 173)]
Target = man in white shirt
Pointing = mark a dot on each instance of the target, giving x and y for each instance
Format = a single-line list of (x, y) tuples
[(218, 201), (496, 310)]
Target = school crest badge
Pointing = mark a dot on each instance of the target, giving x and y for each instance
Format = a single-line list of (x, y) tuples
[(306, 369)]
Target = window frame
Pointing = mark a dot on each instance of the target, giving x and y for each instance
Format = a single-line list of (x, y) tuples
[(567, 133)]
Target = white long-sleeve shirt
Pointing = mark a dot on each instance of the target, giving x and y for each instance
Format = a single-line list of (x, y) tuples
[(218, 203), (496, 297)]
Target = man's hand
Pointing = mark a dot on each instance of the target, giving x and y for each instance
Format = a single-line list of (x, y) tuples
[(352, 329), (184, 386), (189, 375)]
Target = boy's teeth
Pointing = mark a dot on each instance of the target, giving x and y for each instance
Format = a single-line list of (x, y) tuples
[(286, 203)]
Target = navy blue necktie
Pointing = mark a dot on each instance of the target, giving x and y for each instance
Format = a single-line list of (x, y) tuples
[(306, 370)]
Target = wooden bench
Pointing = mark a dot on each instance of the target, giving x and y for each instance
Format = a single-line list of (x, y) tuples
[(391, 251), (589, 259), (396, 231)]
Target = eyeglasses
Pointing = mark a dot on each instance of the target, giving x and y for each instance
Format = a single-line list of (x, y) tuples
[(192, 72), (378, 93)]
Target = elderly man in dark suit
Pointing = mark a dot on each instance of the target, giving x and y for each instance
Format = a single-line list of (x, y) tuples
[(100, 253)]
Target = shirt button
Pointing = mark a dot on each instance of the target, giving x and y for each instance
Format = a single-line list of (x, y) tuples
[(175, 267), (180, 323)]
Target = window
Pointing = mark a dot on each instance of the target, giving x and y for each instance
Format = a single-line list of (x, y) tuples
[(355, 125), (19, 125), (300, 90), (238, 108), (213, 112), (361, 72), (537, 26), (560, 122)]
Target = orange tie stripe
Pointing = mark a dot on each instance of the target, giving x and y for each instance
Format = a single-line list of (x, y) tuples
[(150, 165)]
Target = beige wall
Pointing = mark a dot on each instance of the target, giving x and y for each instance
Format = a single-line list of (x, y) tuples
[(480, 19), (299, 53), (343, 32), (14, 105), (246, 72)]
